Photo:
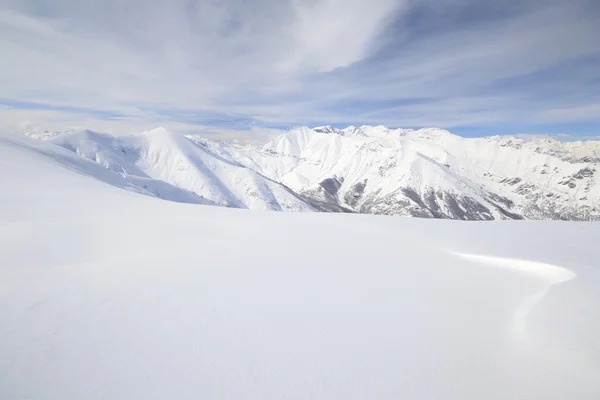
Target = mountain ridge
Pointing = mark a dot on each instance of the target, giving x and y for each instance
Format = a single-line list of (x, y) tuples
[(428, 172)]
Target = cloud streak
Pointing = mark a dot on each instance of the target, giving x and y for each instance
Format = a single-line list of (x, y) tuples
[(283, 63)]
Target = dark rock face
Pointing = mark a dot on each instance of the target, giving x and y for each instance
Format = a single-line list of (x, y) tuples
[(584, 173), (406, 201), (353, 196), (331, 186)]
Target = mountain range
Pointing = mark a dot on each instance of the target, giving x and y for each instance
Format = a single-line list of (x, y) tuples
[(428, 173)]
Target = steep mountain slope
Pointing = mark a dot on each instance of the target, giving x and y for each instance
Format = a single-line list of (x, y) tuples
[(108, 294), (92, 169), (160, 156), (432, 173)]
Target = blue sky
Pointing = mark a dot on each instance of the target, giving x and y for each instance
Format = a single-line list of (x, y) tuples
[(248, 69)]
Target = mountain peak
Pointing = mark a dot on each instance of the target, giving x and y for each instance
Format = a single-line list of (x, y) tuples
[(159, 131), (325, 129)]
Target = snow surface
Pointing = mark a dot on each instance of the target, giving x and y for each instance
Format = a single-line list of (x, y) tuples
[(108, 293)]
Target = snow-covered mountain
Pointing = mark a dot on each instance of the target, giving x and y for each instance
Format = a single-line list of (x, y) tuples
[(375, 170), (433, 173), (109, 294), (167, 164)]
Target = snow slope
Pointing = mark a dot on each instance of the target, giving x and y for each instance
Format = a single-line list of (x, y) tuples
[(107, 293), (160, 156)]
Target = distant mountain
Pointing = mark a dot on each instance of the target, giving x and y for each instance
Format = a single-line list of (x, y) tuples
[(160, 156), (376, 170)]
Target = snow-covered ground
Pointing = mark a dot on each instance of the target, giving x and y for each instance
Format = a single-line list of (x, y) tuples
[(107, 292)]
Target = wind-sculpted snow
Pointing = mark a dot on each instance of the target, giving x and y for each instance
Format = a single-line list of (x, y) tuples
[(109, 294), (373, 170), (546, 273)]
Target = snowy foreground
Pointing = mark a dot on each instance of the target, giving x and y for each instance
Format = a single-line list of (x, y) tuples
[(106, 293)]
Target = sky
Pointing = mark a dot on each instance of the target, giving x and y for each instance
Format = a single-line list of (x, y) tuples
[(249, 69)]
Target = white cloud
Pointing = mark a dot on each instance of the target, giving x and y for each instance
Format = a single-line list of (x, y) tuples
[(292, 62), (171, 54), (585, 112), (23, 121), (326, 35)]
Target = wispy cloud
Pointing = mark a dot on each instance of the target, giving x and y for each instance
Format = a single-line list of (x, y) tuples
[(238, 65), (587, 112)]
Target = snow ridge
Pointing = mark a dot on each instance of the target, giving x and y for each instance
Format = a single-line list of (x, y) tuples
[(548, 274)]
